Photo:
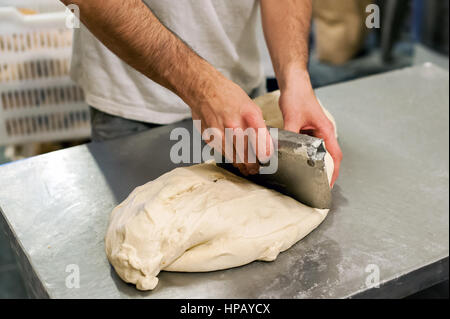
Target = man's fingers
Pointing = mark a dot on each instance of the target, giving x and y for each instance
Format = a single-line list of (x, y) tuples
[(264, 145), (250, 157), (234, 148), (245, 141), (242, 149), (292, 126), (242, 168), (228, 148), (259, 139), (333, 148), (292, 122), (238, 163)]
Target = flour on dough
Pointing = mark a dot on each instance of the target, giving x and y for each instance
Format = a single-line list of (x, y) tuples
[(203, 218)]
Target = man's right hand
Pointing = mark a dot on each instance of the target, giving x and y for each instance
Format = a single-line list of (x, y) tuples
[(133, 33), (228, 106)]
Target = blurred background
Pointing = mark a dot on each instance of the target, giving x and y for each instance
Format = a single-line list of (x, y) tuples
[(41, 110)]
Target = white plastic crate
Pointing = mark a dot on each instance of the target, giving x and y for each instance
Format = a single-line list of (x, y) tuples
[(40, 6), (38, 101)]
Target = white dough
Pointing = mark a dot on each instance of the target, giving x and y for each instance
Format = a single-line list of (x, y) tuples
[(203, 218)]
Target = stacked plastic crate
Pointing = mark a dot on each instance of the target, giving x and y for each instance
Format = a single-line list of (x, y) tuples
[(38, 101)]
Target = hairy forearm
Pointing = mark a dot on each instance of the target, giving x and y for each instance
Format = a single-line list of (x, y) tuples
[(133, 33), (286, 27)]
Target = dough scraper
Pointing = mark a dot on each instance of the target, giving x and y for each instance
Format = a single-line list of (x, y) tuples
[(301, 172)]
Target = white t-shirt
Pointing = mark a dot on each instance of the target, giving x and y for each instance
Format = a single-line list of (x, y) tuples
[(223, 32)]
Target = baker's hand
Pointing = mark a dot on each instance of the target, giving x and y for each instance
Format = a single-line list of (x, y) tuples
[(230, 107), (302, 113)]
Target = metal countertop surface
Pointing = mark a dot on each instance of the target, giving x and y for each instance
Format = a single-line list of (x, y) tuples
[(390, 210)]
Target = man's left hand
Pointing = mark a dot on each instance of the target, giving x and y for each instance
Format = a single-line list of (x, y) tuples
[(302, 113)]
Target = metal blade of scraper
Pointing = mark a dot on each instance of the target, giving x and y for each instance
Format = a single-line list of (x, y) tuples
[(301, 171)]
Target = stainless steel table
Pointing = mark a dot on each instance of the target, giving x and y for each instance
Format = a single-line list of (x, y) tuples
[(390, 213)]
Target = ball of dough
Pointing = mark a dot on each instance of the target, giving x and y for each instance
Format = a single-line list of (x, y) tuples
[(202, 218)]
